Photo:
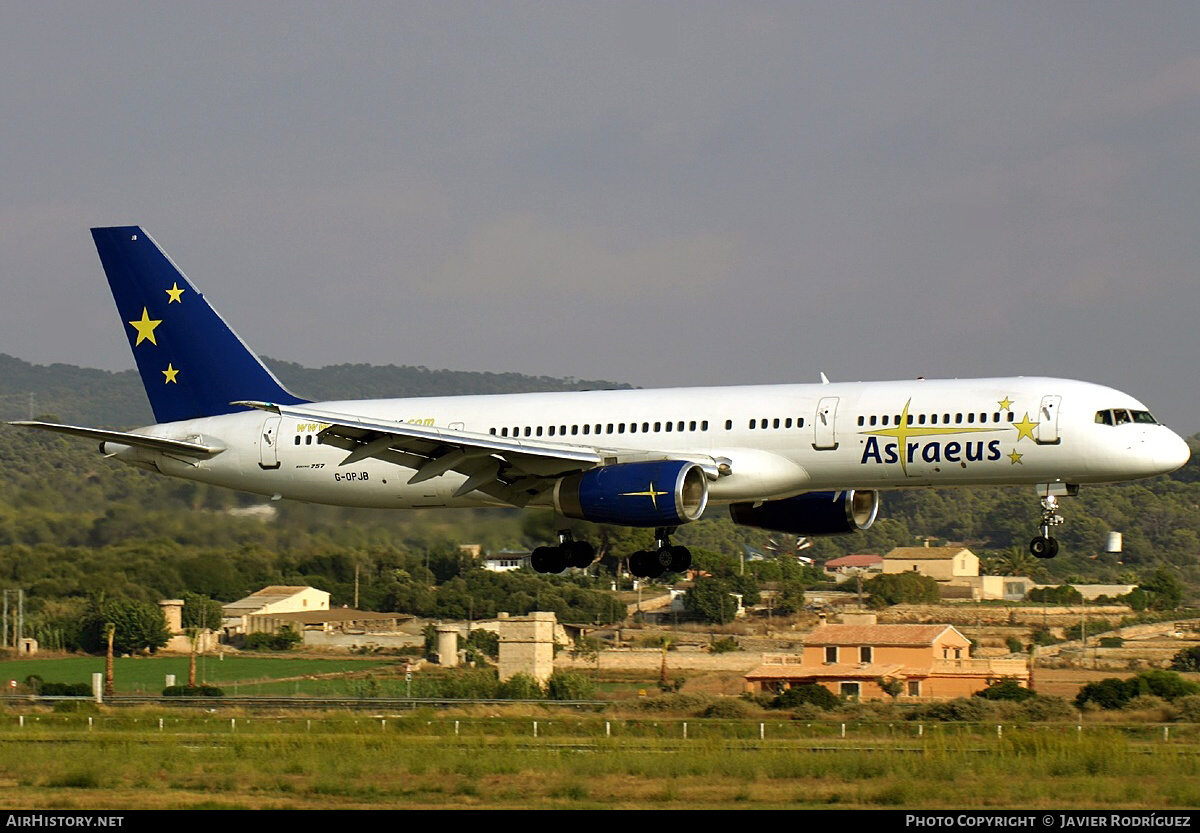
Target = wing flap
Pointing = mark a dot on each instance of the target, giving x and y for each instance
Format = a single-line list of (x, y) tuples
[(515, 473)]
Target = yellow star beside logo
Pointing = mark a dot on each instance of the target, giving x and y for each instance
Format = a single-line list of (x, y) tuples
[(1016, 457), (175, 292), (1025, 427), (1005, 404), (171, 372), (903, 431), (145, 328)]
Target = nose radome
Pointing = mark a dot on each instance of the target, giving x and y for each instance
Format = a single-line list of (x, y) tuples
[(1171, 452)]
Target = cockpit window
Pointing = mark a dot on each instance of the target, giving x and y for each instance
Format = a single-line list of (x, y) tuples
[(1121, 416)]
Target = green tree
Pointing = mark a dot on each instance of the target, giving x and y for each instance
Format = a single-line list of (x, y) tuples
[(481, 645), (569, 685), (201, 612), (902, 588), (1165, 589), (712, 600), (137, 627), (1186, 660)]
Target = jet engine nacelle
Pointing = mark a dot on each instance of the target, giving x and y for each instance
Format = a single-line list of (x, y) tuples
[(813, 513), (658, 493)]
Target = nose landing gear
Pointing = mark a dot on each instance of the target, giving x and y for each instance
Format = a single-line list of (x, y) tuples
[(1042, 545)]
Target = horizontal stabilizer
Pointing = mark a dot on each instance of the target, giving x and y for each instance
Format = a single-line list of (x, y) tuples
[(188, 449)]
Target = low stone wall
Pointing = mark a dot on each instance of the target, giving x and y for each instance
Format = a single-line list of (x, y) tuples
[(1054, 616), (643, 658)]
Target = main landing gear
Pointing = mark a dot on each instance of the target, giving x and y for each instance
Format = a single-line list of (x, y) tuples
[(568, 553), (663, 558), (1042, 545)]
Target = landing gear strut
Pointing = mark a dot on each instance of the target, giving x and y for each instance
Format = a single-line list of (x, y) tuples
[(664, 557), (1042, 545), (568, 553)]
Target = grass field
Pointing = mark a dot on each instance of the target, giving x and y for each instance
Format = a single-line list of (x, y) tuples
[(241, 674), (417, 761)]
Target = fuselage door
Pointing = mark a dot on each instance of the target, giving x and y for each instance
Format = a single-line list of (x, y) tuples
[(824, 425), (1047, 428), (268, 443)]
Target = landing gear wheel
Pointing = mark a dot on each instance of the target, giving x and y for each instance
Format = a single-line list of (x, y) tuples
[(548, 560), (657, 562), (579, 553), (681, 559), (1043, 546), (637, 564)]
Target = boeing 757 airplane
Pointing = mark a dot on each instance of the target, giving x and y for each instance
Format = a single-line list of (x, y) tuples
[(803, 459)]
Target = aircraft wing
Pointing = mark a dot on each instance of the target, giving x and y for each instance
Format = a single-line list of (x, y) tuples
[(183, 447), (508, 468)]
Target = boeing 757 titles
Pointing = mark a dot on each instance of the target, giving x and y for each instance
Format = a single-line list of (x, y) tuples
[(803, 459)]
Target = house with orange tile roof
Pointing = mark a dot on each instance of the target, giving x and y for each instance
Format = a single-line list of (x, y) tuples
[(855, 662)]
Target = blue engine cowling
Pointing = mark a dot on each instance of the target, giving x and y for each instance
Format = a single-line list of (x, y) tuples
[(813, 513), (658, 493)]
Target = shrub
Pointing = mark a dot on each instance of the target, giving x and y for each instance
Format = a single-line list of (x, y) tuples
[(1063, 595), (1042, 636), (729, 708), (724, 645), (810, 693), (568, 685), (689, 703), (1114, 693), (1109, 693), (192, 691), (1189, 708), (285, 639), (1007, 689), (962, 710), (1043, 707), (1186, 660), (66, 690), (520, 687)]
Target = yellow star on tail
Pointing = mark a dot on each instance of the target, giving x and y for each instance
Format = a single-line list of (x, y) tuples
[(171, 372), (145, 328), (175, 292)]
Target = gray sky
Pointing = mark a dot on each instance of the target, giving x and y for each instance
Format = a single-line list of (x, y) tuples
[(657, 193)]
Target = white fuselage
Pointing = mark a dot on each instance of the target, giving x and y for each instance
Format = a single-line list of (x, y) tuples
[(778, 440)]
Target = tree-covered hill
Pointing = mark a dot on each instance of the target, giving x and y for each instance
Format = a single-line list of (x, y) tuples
[(100, 398)]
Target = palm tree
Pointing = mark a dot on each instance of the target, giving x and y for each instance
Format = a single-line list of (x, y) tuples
[(109, 631), (1015, 561), (193, 635)]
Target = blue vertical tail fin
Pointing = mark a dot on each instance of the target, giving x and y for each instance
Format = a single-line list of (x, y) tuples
[(191, 363)]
